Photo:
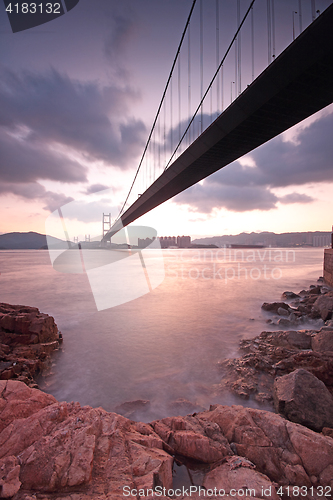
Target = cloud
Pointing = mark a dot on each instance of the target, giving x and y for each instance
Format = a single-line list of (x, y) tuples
[(296, 198), (51, 126), (34, 191), (89, 210), (122, 29), (209, 196), (94, 188), (55, 110), (240, 187), (22, 160)]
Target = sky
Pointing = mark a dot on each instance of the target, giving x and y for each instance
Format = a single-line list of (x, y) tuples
[(78, 96)]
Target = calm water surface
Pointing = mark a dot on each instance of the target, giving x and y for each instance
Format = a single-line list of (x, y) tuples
[(166, 344)]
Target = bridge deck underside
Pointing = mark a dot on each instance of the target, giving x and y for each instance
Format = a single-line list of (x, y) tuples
[(296, 85)]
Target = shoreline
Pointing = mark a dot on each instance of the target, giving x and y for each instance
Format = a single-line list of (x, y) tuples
[(52, 450)]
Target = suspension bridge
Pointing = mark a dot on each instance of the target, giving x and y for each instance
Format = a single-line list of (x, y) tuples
[(296, 83)]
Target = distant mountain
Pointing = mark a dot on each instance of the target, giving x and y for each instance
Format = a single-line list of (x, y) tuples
[(316, 239), (27, 241)]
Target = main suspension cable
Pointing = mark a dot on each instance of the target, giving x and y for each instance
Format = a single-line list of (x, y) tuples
[(211, 82), (160, 106)]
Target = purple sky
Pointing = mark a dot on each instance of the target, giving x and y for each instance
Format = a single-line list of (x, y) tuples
[(77, 100)]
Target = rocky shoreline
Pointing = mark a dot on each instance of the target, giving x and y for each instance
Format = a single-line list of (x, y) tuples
[(27, 340), (52, 451)]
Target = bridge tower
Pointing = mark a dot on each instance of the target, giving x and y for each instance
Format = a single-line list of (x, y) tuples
[(106, 225)]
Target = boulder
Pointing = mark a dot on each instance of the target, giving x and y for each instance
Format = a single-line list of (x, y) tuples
[(241, 479), (187, 436), (323, 340), (274, 306), (290, 295), (303, 398), (27, 339), (323, 306), (9, 477), (286, 452), (27, 322), (68, 452)]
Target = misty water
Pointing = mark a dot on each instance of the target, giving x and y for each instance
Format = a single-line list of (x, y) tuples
[(166, 344)]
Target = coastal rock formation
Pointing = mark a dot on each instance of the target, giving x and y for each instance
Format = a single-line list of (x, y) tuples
[(52, 450), (303, 398), (27, 338), (273, 354), (276, 353)]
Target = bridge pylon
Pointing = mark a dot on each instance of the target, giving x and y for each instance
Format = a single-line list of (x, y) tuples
[(106, 226)]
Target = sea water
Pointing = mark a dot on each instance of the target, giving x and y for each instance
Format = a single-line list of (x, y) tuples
[(166, 344)]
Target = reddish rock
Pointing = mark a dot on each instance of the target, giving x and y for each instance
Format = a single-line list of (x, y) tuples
[(130, 408), (20, 401), (274, 354), (323, 340), (183, 406), (274, 306), (9, 477), (248, 482), (27, 339), (286, 452), (323, 306), (188, 437), (71, 452), (304, 399)]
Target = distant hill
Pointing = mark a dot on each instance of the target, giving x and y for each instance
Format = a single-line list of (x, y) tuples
[(27, 241), (316, 239)]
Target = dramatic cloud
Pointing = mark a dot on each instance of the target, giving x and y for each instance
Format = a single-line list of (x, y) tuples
[(84, 117), (48, 122), (277, 164), (25, 160), (34, 191), (204, 198)]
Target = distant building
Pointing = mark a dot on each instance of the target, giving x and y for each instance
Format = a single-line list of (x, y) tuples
[(323, 240), (183, 241), (172, 241), (145, 242)]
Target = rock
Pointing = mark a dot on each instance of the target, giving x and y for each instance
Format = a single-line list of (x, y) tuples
[(304, 399), (9, 477), (20, 401), (27, 339), (65, 451), (286, 452), (275, 306), (290, 295), (187, 437), (248, 482), (182, 407), (323, 306), (323, 340), (130, 408), (27, 322), (327, 431), (283, 312), (284, 322), (63, 445), (271, 354)]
